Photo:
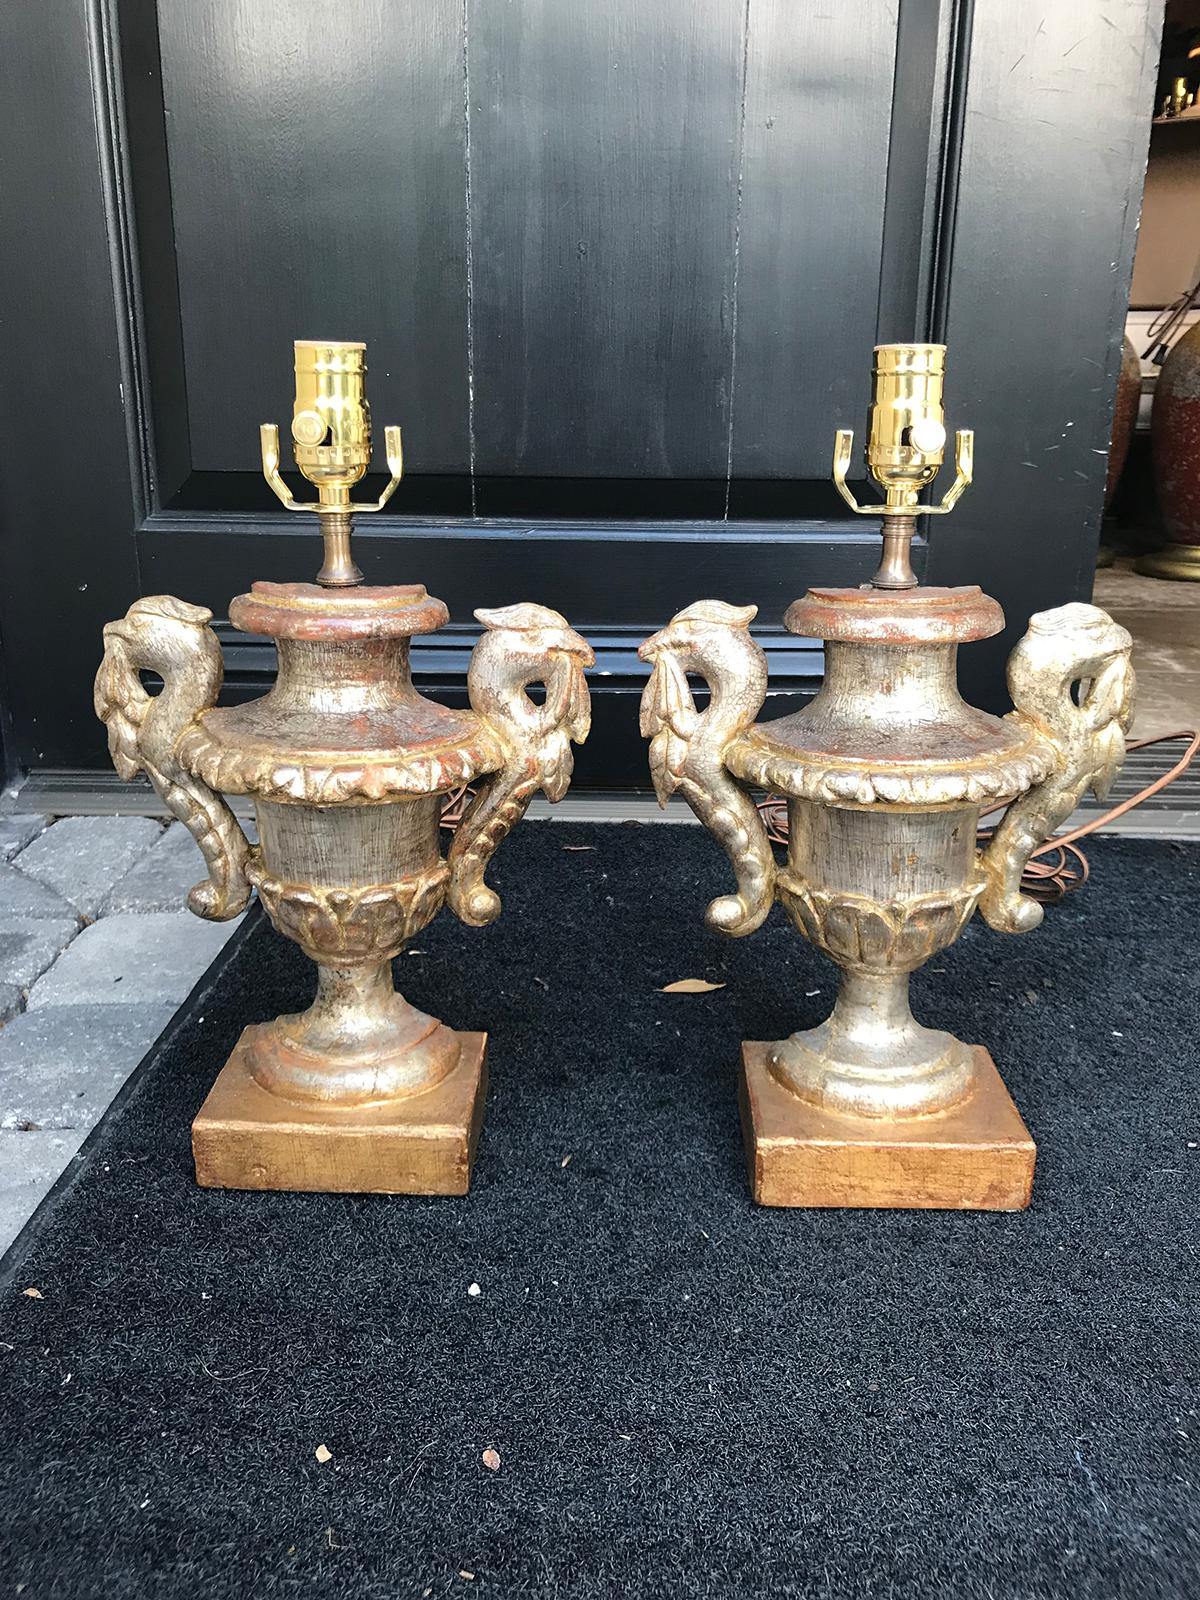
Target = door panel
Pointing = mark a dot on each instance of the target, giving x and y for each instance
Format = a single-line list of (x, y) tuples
[(604, 145), (814, 177), (316, 170)]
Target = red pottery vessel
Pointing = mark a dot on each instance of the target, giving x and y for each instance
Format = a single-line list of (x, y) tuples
[(1175, 443), (1129, 392)]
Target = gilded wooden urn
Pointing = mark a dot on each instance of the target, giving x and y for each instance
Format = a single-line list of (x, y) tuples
[(886, 773), (348, 767)]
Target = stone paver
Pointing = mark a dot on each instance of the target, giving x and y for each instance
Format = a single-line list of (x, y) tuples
[(83, 857), (98, 998), (22, 896), (17, 828), (28, 945), (132, 960), (161, 879), (29, 1165), (61, 1065)]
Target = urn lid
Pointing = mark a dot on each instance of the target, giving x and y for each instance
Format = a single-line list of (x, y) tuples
[(907, 616), (307, 611)]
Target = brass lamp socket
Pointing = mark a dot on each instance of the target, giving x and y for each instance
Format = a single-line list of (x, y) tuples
[(906, 438), (331, 420), (331, 437)]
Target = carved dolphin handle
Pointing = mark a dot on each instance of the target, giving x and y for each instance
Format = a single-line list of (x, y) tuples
[(1072, 644), (168, 636), (521, 644), (687, 747)]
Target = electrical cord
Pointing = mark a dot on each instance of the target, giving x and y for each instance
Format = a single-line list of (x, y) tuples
[(1058, 866), (1052, 871), (454, 806)]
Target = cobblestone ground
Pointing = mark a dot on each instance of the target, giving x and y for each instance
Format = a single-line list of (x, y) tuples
[(96, 954)]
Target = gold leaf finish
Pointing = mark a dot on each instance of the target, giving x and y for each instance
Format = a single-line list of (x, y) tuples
[(885, 772), (335, 781)]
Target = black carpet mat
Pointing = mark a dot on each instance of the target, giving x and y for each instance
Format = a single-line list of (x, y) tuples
[(689, 1396)]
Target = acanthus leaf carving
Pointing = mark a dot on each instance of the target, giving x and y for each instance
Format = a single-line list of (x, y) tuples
[(270, 776), (860, 931), (344, 926)]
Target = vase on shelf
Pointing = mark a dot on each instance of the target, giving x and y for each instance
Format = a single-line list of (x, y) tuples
[(1175, 447), (1125, 410)]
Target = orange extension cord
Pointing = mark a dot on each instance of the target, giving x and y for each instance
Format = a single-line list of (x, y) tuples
[(1064, 868), (454, 807)]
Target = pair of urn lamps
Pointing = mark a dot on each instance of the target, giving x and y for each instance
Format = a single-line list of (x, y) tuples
[(885, 772)]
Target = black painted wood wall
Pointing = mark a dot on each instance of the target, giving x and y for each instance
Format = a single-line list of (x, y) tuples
[(619, 267)]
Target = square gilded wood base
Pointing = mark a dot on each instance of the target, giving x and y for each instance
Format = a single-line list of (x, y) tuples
[(246, 1138), (978, 1157)]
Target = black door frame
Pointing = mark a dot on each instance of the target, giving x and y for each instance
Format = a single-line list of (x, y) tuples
[(1028, 282)]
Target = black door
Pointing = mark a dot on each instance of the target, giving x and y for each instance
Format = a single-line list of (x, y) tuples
[(619, 266)]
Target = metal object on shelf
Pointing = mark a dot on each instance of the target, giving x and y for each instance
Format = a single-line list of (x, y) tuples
[(347, 767), (1179, 99), (885, 774)]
